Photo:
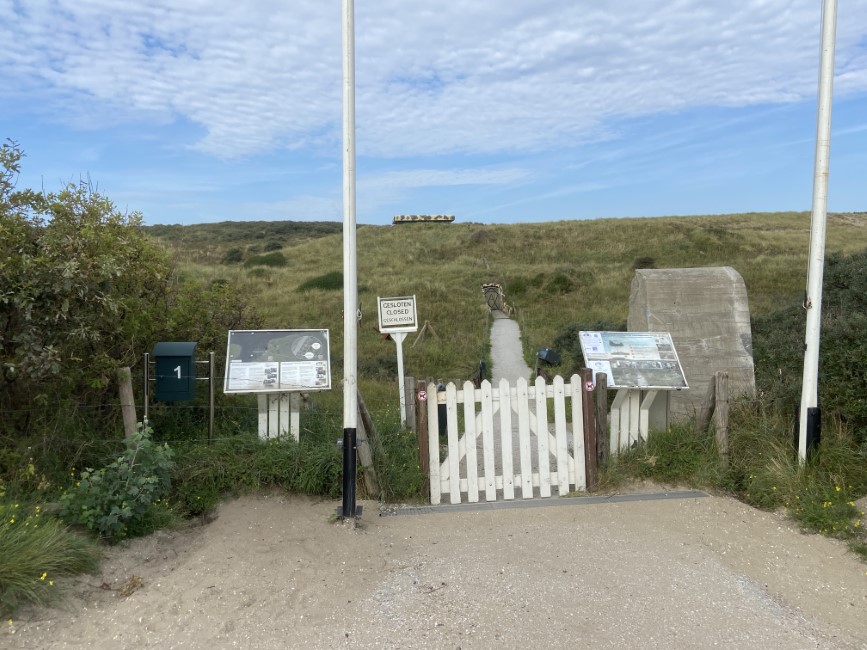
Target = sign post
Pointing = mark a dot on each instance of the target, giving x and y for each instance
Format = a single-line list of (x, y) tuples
[(397, 317)]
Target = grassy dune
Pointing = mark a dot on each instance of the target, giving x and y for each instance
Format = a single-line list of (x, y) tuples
[(554, 273)]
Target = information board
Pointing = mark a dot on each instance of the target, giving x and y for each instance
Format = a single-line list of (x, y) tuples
[(277, 361), (634, 359), (397, 314)]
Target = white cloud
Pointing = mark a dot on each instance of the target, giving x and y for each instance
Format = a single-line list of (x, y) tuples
[(479, 76)]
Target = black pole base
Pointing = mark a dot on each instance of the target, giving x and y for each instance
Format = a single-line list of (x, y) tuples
[(814, 430), (349, 509)]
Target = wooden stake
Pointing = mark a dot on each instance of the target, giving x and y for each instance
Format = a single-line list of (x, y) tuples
[(721, 415), (127, 401), (422, 432), (365, 439), (707, 406)]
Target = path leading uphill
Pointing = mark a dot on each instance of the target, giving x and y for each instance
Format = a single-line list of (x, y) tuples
[(507, 357)]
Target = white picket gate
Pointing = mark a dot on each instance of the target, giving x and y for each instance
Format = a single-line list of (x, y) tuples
[(508, 440)]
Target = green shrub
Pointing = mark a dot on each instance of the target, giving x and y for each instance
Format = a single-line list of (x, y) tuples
[(778, 342), (233, 256), (332, 281), (272, 246), (116, 501), (268, 259), (35, 551)]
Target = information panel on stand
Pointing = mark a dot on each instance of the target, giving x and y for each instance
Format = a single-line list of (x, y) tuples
[(634, 359), (277, 361)]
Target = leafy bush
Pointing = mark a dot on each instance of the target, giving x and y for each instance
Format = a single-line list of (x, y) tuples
[(114, 501), (35, 551), (233, 256), (268, 259), (779, 353), (332, 281)]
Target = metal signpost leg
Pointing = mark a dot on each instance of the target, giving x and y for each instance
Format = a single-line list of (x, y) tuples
[(398, 339)]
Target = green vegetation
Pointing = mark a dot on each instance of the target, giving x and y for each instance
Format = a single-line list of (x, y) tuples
[(267, 259), (117, 501), (87, 289), (332, 281), (36, 553)]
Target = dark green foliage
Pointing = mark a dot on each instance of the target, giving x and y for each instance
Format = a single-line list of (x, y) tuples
[(643, 263), (397, 466), (559, 284), (568, 342), (778, 341), (331, 281), (205, 234), (272, 246), (269, 259), (114, 501), (205, 473), (233, 256)]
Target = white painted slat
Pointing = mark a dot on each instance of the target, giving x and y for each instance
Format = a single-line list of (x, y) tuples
[(577, 391), (263, 416), (273, 415), (454, 454), (522, 401), (471, 443), (283, 418), (560, 433), (542, 438), (295, 415), (506, 440), (488, 442), (433, 444)]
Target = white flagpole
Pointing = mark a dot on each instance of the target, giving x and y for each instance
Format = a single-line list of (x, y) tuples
[(350, 269), (809, 413)]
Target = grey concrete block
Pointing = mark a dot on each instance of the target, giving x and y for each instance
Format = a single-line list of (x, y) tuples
[(707, 313)]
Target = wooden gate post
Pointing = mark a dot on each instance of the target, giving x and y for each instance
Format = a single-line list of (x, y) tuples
[(422, 431), (586, 375), (602, 442), (410, 401)]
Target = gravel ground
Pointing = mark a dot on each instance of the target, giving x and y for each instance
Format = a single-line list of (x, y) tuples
[(273, 572)]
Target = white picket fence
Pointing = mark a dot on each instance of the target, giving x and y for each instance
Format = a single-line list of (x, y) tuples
[(507, 438)]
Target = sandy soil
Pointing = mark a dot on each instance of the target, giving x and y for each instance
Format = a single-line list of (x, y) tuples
[(273, 572)]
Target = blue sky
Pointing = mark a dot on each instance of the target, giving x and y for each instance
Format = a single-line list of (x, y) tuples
[(192, 111)]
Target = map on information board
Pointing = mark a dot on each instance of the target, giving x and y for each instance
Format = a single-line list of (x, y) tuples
[(277, 361), (634, 359)]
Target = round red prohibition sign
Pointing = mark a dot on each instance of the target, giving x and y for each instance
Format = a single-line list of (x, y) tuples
[(422, 396)]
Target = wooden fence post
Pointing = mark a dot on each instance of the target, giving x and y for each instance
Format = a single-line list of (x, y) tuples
[(589, 427), (127, 401), (707, 407), (602, 440), (422, 432), (365, 440), (721, 415), (409, 400)]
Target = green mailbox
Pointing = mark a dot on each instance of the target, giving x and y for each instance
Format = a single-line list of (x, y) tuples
[(175, 371)]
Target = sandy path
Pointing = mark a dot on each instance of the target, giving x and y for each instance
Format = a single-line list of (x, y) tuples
[(507, 360), (272, 572)]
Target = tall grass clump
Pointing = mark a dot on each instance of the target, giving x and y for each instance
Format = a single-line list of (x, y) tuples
[(36, 552)]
